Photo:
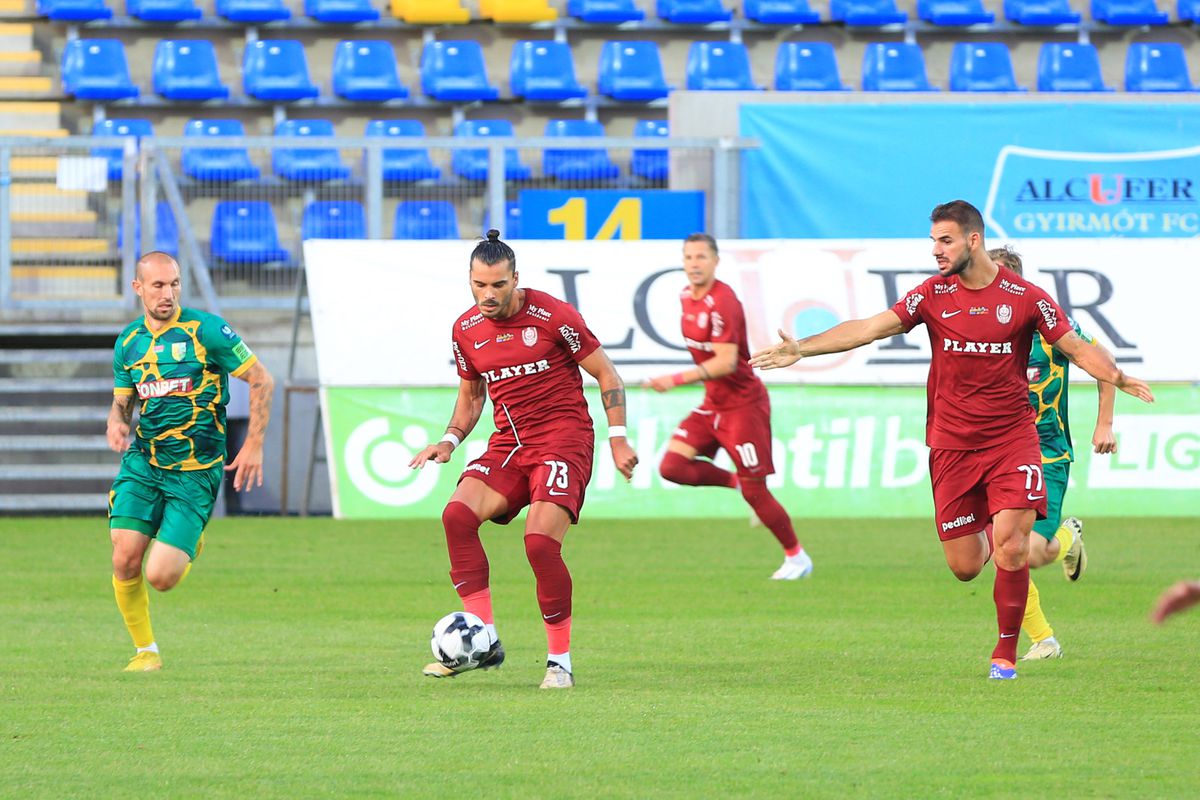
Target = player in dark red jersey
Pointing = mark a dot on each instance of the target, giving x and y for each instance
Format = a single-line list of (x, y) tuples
[(984, 461), (736, 412), (523, 349)]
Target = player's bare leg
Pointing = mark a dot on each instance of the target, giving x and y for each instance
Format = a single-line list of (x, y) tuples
[(545, 528), (133, 600), (472, 502), (1010, 533), (967, 555)]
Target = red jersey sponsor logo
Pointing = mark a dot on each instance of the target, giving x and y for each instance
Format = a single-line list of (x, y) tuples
[(470, 322), (516, 371), (151, 389), (718, 323), (537, 312), (501, 338), (486, 470), (977, 310), (1011, 288), (695, 345), (945, 288), (983, 348), (912, 301)]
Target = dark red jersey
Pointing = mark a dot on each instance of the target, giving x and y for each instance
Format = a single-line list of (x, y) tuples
[(718, 317), (530, 364), (978, 393)]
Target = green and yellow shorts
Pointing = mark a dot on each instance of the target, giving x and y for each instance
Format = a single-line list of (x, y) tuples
[(172, 506), (1055, 476)]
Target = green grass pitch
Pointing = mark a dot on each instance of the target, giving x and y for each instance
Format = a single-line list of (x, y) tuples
[(293, 656)]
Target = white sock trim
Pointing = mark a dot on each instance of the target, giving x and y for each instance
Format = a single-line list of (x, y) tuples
[(562, 659), (150, 648)]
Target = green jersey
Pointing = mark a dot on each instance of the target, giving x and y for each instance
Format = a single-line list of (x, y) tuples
[(1048, 394), (181, 376)]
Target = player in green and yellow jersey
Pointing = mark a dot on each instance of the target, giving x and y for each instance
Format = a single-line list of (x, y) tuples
[(1059, 539), (174, 364)]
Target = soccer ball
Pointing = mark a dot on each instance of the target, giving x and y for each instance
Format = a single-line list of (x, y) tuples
[(460, 641)]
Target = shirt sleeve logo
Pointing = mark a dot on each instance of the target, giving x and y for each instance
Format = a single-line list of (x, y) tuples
[(718, 323), (911, 302), (1048, 314), (228, 331), (242, 351), (571, 337)]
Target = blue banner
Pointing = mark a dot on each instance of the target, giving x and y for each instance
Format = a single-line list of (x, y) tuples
[(1034, 170), (610, 214)]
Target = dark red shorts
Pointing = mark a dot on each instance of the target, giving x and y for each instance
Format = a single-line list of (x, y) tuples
[(744, 433), (529, 474), (970, 486)]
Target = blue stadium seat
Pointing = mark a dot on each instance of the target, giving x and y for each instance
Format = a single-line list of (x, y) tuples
[(807, 67), (244, 232), (544, 71), (719, 66), (96, 69), (651, 164), (166, 230), (780, 12), (186, 69), (894, 67), (1157, 67), (163, 10), (341, 11), (308, 163), (1040, 12), (1128, 12), (954, 12), (632, 72), (982, 67), (473, 164), (253, 10), (73, 10), (511, 229), (605, 11), (866, 13), (577, 165), (409, 164), (276, 70), (1069, 67), (454, 71), (217, 164), (1189, 10), (333, 219), (693, 12), (365, 71), (425, 219), (118, 127)]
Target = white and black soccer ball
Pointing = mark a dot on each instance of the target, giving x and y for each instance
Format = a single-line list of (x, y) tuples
[(460, 640)]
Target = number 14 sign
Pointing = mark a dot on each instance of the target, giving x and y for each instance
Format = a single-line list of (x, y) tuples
[(610, 214)]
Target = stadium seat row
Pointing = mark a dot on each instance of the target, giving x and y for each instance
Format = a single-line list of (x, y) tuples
[(543, 71), (245, 231), (692, 12), (407, 164)]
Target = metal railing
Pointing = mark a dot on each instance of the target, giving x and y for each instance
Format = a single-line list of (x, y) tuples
[(75, 212)]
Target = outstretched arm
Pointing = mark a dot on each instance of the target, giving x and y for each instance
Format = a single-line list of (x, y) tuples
[(248, 465), (468, 406), (844, 336), (1179, 597), (1103, 439), (612, 392), (722, 363), (1100, 364), (119, 417)]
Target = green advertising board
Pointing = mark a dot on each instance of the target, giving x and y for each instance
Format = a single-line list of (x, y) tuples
[(839, 452)]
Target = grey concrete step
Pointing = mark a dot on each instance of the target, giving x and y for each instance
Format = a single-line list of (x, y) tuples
[(51, 364), (54, 503), (46, 197), (54, 443), (48, 354), (52, 414), (63, 391), (10, 472), (77, 448)]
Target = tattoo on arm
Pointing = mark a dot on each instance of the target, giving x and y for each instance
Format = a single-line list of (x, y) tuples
[(262, 387), (123, 405), (462, 434), (613, 398)]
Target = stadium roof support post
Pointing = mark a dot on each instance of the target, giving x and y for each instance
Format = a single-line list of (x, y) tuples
[(495, 187), (99, 114), (5, 226), (374, 190), (129, 217), (197, 267), (723, 226), (147, 200)]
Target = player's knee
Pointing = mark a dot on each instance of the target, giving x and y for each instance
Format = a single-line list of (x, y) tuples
[(458, 516), (126, 564), (542, 551), (965, 572), (162, 579)]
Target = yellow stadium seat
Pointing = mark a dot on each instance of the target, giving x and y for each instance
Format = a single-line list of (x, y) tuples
[(430, 12), (517, 10)]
